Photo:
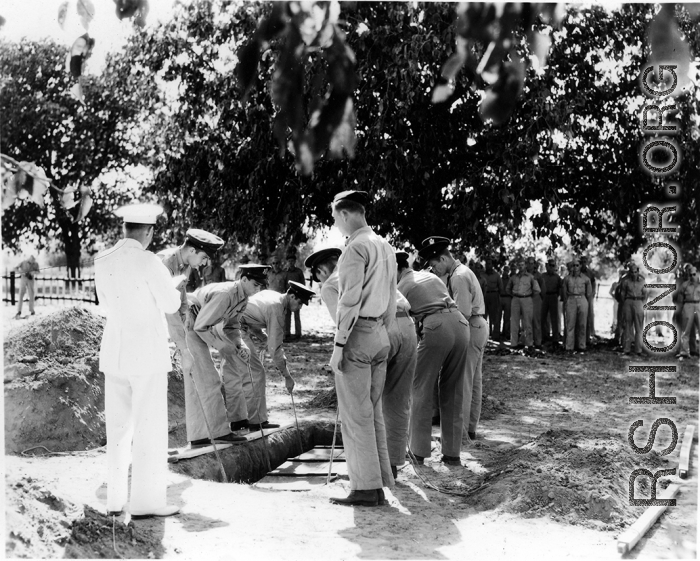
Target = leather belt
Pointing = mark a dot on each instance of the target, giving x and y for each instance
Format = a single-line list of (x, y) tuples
[(368, 319), (523, 296), (635, 298), (691, 301), (477, 316), (576, 295), (491, 291), (552, 293)]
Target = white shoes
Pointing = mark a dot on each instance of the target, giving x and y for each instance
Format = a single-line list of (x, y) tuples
[(167, 510)]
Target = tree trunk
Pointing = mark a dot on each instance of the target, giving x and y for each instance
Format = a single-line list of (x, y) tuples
[(71, 243)]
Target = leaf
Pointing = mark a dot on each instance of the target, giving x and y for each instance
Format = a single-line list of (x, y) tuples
[(86, 12), (62, 13)]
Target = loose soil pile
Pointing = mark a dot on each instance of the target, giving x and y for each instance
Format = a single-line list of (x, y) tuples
[(41, 525), (570, 476), (54, 391)]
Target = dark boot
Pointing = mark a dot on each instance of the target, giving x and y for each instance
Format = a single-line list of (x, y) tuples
[(381, 499), (394, 472), (358, 498)]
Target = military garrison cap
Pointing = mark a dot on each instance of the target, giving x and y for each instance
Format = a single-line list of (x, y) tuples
[(318, 257), (432, 246), (255, 272), (202, 240), (300, 291), (361, 197), (141, 213)]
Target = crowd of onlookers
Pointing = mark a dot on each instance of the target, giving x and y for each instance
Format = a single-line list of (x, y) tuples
[(530, 304)]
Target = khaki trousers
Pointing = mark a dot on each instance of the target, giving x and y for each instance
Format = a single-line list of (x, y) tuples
[(537, 319), (633, 311), (493, 311), (478, 337), (442, 356), (245, 399), (576, 316), (400, 370), (691, 326), (208, 384), (359, 385), (521, 308)]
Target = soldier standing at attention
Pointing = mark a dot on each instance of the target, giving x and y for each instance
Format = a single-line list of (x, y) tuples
[(492, 299), (533, 269), (550, 302), (590, 321), (521, 286), (366, 305), (633, 295), (506, 302), (689, 300), (576, 289), (136, 289), (276, 276), (464, 288), (295, 274)]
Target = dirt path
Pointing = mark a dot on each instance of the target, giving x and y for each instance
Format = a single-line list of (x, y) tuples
[(564, 510)]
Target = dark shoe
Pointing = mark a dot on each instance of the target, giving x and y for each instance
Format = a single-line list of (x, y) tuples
[(265, 425), (451, 460), (394, 472), (200, 443), (369, 497), (167, 510), (381, 499), (471, 435), (230, 438), (436, 421), (238, 425)]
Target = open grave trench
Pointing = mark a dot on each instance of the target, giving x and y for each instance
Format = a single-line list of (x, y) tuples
[(252, 461)]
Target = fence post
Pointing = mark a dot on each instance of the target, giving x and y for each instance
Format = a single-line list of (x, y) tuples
[(12, 287)]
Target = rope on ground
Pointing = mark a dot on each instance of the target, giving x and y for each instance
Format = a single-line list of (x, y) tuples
[(440, 488), (114, 537), (67, 453)]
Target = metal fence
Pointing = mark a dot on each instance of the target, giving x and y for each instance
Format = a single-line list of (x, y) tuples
[(52, 288)]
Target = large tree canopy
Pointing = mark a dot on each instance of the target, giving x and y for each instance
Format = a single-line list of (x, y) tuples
[(571, 145), (73, 143)]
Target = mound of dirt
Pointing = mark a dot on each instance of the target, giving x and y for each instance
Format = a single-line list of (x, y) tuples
[(39, 524), (570, 476), (54, 391), (491, 407)]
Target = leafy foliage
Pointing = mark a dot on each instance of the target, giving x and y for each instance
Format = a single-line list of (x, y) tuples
[(74, 144), (571, 145)]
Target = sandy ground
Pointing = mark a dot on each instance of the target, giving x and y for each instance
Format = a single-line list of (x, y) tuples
[(221, 521)]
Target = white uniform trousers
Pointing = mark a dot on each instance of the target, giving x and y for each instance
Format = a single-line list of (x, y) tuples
[(136, 413), (471, 407), (359, 385)]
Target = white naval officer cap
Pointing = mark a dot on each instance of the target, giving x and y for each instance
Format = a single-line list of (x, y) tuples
[(140, 213)]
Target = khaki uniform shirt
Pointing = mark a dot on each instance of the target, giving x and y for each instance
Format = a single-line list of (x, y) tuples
[(425, 292), (690, 291), (366, 281), (522, 285), (552, 283), (633, 287), (221, 304), (176, 322), (578, 284), (266, 310), (464, 288), (493, 282)]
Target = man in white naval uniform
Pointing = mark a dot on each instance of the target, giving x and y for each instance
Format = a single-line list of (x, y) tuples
[(136, 290)]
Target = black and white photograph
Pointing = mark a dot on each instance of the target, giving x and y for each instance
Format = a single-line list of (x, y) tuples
[(322, 279)]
